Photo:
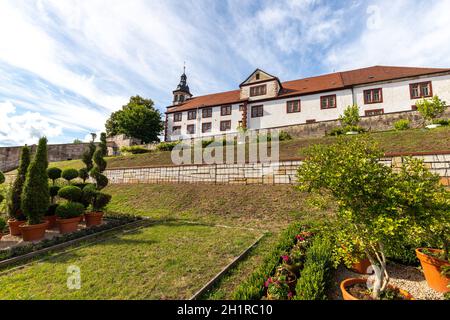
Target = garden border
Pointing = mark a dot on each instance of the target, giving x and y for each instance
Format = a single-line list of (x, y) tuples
[(233, 263), (33, 254)]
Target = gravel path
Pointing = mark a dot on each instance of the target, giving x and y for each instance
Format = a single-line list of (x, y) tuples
[(407, 278)]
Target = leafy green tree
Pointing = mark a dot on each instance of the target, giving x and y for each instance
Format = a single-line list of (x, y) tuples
[(15, 193), (77, 141), (138, 119), (430, 109), (36, 195), (366, 196), (350, 117)]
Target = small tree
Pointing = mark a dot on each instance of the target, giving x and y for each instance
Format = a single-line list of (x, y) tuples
[(430, 109), (36, 195), (54, 174), (15, 193), (97, 172), (350, 118), (363, 187)]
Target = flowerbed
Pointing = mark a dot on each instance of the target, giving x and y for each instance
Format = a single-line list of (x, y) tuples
[(113, 221), (299, 254)]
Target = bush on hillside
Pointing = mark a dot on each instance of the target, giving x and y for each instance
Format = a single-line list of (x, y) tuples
[(166, 146), (402, 124), (442, 122), (134, 150)]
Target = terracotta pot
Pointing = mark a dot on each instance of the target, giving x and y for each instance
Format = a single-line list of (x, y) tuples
[(68, 225), (14, 229), (51, 221), (432, 270), (351, 281), (362, 266), (93, 218), (33, 232)]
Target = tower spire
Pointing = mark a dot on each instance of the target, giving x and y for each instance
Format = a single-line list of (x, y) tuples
[(182, 92)]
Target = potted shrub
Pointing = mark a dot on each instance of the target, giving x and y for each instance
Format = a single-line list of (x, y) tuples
[(69, 175), (98, 199), (50, 215), (431, 109), (69, 216), (428, 203), (35, 195), (14, 200), (367, 214)]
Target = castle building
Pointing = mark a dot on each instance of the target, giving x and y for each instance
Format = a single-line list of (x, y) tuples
[(264, 102)]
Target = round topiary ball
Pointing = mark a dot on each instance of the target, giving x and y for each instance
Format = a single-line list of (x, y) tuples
[(71, 193), (70, 174), (54, 173), (54, 191), (83, 173), (69, 210)]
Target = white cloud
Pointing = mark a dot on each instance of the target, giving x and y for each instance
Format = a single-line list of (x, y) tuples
[(25, 128), (398, 33)]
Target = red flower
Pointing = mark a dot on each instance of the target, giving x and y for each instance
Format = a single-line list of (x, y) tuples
[(290, 295), (285, 258)]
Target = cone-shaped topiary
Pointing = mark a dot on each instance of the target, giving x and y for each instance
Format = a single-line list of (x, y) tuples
[(54, 174), (15, 194), (36, 195)]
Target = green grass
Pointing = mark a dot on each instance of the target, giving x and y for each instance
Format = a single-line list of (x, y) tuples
[(164, 261), (268, 207)]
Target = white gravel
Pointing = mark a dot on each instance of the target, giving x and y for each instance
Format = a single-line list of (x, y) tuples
[(408, 278)]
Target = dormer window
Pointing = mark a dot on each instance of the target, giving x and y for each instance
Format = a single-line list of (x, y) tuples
[(258, 90), (257, 76)]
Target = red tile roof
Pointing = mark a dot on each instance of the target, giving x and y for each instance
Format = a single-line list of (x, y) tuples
[(327, 82)]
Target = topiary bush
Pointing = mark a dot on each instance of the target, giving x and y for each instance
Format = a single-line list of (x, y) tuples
[(402, 124), (54, 174), (442, 122), (87, 156), (69, 174), (69, 210), (100, 201), (15, 194), (103, 144), (36, 194), (53, 192), (70, 193), (83, 174)]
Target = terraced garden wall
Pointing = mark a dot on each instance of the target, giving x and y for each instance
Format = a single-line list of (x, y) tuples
[(283, 172)]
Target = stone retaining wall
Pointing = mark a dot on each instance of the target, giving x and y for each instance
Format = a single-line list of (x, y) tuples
[(283, 172)]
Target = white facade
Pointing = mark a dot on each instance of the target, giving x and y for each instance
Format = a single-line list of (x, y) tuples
[(396, 97)]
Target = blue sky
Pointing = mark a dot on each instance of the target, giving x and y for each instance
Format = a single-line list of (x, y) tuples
[(65, 65)]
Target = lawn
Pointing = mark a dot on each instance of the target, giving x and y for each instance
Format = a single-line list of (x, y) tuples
[(168, 260), (414, 140), (268, 207)]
